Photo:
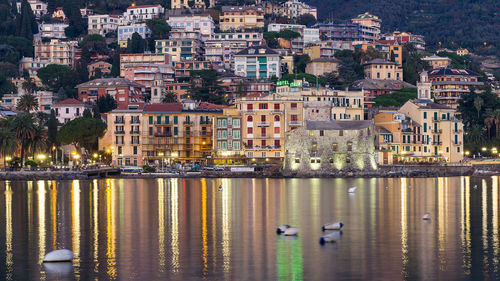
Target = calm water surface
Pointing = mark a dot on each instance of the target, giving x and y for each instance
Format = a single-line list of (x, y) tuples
[(185, 229)]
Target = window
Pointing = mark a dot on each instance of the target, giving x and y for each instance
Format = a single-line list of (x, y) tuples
[(263, 118), (249, 130), (349, 146), (321, 133), (249, 118), (293, 105), (249, 107), (176, 119), (334, 146), (277, 143), (135, 150), (250, 143), (341, 133), (276, 118), (276, 106), (262, 105), (263, 131), (276, 130)]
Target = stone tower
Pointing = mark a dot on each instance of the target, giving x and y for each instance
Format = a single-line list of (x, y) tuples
[(424, 87), (157, 88)]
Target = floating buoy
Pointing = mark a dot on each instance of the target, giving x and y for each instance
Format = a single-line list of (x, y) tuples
[(352, 189), (63, 255), (292, 231), (281, 229), (475, 186), (426, 217), (332, 226), (409, 186), (330, 237), (220, 187), (386, 187)]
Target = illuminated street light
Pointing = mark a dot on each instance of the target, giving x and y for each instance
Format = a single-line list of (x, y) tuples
[(484, 149)]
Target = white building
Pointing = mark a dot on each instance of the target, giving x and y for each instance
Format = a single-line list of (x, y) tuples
[(204, 24), (294, 9), (125, 32), (69, 109), (53, 30), (55, 51), (103, 24), (257, 62), (309, 35), (39, 8), (222, 52), (142, 13)]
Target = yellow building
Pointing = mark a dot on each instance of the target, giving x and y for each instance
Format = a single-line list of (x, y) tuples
[(325, 104), (227, 137), (437, 61), (241, 18), (462, 52), (382, 70), (321, 66)]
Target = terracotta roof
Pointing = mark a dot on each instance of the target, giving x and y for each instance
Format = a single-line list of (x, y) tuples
[(143, 6), (338, 125), (378, 61), (70, 101), (254, 50), (125, 106), (207, 105), (163, 107)]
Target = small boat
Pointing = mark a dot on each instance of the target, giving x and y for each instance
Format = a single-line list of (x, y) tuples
[(426, 217), (352, 189), (281, 229), (63, 255), (330, 237), (292, 231), (220, 187), (332, 226)]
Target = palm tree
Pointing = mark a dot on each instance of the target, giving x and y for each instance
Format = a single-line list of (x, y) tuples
[(478, 104), (27, 103), (39, 140), (496, 119), (29, 86), (489, 121), (169, 97), (8, 144), (23, 126)]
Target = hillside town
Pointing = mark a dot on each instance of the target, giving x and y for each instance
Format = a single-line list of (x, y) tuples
[(205, 84)]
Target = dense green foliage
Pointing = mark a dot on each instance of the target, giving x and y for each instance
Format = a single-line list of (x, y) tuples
[(159, 30), (56, 76), (169, 98), (273, 36), (106, 103), (412, 64), (204, 86), (82, 133), (396, 99), (467, 23), (311, 79)]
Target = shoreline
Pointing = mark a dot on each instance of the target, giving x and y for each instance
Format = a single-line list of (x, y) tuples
[(382, 172)]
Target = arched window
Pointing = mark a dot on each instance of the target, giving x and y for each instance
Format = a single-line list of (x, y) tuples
[(156, 92), (249, 119), (276, 118)]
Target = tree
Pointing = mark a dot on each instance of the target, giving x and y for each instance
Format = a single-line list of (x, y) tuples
[(8, 144), (300, 63), (397, 99), (87, 113), (39, 140), (23, 127), (6, 86), (271, 39), (159, 30), (306, 19), (204, 86), (288, 34), (97, 73), (94, 42), (26, 25), (27, 103), (82, 132), (169, 97), (52, 131), (77, 26), (106, 103), (23, 46), (29, 86), (478, 104), (56, 76), (115, 63), (9, 69), (136, 44)]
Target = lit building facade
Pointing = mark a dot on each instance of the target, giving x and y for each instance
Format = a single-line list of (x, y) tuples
[(257, 62), (241, 17)]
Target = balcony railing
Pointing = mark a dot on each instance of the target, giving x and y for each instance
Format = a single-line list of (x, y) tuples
[(188, 122), (269, 147), (119, 132), (437, 143), (162, 134), (162, 122), (119, 121), (135, 132), (294, 123), (457, 143), (262, 124), (438, 131)]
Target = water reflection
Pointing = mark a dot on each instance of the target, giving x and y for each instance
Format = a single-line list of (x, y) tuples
[(189, 229)]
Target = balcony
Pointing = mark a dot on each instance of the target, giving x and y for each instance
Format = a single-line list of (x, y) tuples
[(135, 121), (163, 134), (276, 111), (438, 131), (457, 143), (135, 132), (119, 132), (188, 122), (269, 147), (295, 123), (437, 143), (162, 123), (119, 121), (262, 124)]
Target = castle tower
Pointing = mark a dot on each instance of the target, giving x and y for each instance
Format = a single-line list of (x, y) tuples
[(157, 89)]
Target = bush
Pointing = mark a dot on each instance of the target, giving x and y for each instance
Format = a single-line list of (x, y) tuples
[(31, 163), (148, 169)]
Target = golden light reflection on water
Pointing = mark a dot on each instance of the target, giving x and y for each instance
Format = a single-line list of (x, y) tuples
[(95, 223), (75, 219), (9, 262), (494, 218), (226, 225), (484, 209), (110, 229), (41, 219), (466, 231), (174, 220), (204, 230), (161, 224), (53, 213), (404, 227)]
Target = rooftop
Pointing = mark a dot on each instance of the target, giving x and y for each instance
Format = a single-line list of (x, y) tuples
[(338, 125), (109, 82), (379, 61), (256, 50), (70, 102), (450, 71), (378, 84)]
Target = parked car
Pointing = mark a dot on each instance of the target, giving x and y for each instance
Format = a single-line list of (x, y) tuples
[(219, 168)]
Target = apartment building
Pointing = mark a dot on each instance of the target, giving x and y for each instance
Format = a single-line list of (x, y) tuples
[(104, 68), (257, 62), (178, 132), (323, 65), (241, 18), (39, 8), (227, 138), (69, 109), (252, 38), (52, 30), (203, 24), (55, 51), (196, 4), (45, 99), (383, 70), (294, 9), (121, 89), (145, 74), (370, 26), (183, 69), (103, 24), (181, 46), (437, 61), (125, 32), (221, 52), (131, 61), (392, 50), (308, 35), (448, 84), (326, 104), (142, 13)]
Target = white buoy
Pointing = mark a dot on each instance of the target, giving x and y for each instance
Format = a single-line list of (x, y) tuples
[(330, 237), (220, 187), (281, 229), (292, 231), (352, 189), (426, 217), (62, 255), (332, 226), (475, 186), (409, 186), (386, 187)]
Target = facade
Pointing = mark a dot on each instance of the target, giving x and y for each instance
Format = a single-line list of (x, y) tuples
[(330, 146), (321, 66), (131, 61), (45, 99), (252, 38), (52, 30), (392, 50), (58, 14), (181, 48), (105, 68), (375, 87), (145, 73), (55, 51), (294, 9), (325, 104), (318, 50), (462, 52), (407, 37), (308, 35), (437, 61), (382, 69), (32, 65), (142, 13), (183, 69), (198, 4), (448, 84), (345, 32), (221, 52), (103, 24), (227, 138), (370, 26), (69, 109), (241, 18), (125, 32), (257, 62), (121, 89), (39, 8), (203, 24)]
